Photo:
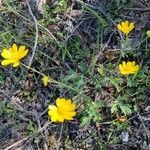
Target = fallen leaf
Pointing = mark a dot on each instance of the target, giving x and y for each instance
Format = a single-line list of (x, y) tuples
[(110, 54)]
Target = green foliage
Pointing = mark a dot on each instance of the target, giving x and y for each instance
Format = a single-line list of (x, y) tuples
[(8, 2), (100, 19), (6, 109), (120, 126), (2, 104), (116, 83), (118, 106), (61, 6), (51, 15), (91, 112), (32, 127), (126, 48), (137, 79), (122, 105), (47, 16), (74, 79), (121, 2), (74, 50), (2, 77), (6, 38), (99, 81)]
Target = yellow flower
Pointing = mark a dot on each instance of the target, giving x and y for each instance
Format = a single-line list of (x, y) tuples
[(13, 55), (46, 80), (126, 27), (64, 110), (129, 67)]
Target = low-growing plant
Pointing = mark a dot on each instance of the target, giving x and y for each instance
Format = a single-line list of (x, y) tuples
[(90, 87), (118, 106), (32, 127), (91, 112), (52, 16)]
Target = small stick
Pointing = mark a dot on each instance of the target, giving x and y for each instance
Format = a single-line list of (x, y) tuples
[(17, 143), (146, 131), (60, 135), (36, 35), (21, 141)]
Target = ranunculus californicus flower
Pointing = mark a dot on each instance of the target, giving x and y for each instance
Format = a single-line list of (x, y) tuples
[(126, 27), (129, 67), (13, 55), (64, 110)]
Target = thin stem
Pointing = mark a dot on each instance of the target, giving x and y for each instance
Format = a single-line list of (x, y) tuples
[(34, 70), (64, 85), (52, 80)]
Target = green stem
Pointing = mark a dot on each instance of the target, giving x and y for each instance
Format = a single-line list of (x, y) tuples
[(52, 80)]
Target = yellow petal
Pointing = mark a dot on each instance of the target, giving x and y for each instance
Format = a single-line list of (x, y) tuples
[(124, 72), (53, 110), (60, 118), (119, 27), (14, 48), (137, 67), (124, 64), (54, 114), (72, 105), (129, 64), (70, 115), (16, 64), (11, 50), (53, 119), (65, 105), (131, 26), (126, 23), (52, 107), (133, 63), (24, 53), (6, 62), (6, 53), (21, 49), (123, 24), (60, 102), (120, 66)]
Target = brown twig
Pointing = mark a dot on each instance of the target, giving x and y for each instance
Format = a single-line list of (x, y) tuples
[(147, 133), (60, 135), (28, 137), (17, 143), (36, 33)]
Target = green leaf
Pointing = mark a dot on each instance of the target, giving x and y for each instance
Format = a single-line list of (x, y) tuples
[(115, 82), (114, 108), (86, 121), (126, 109)]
